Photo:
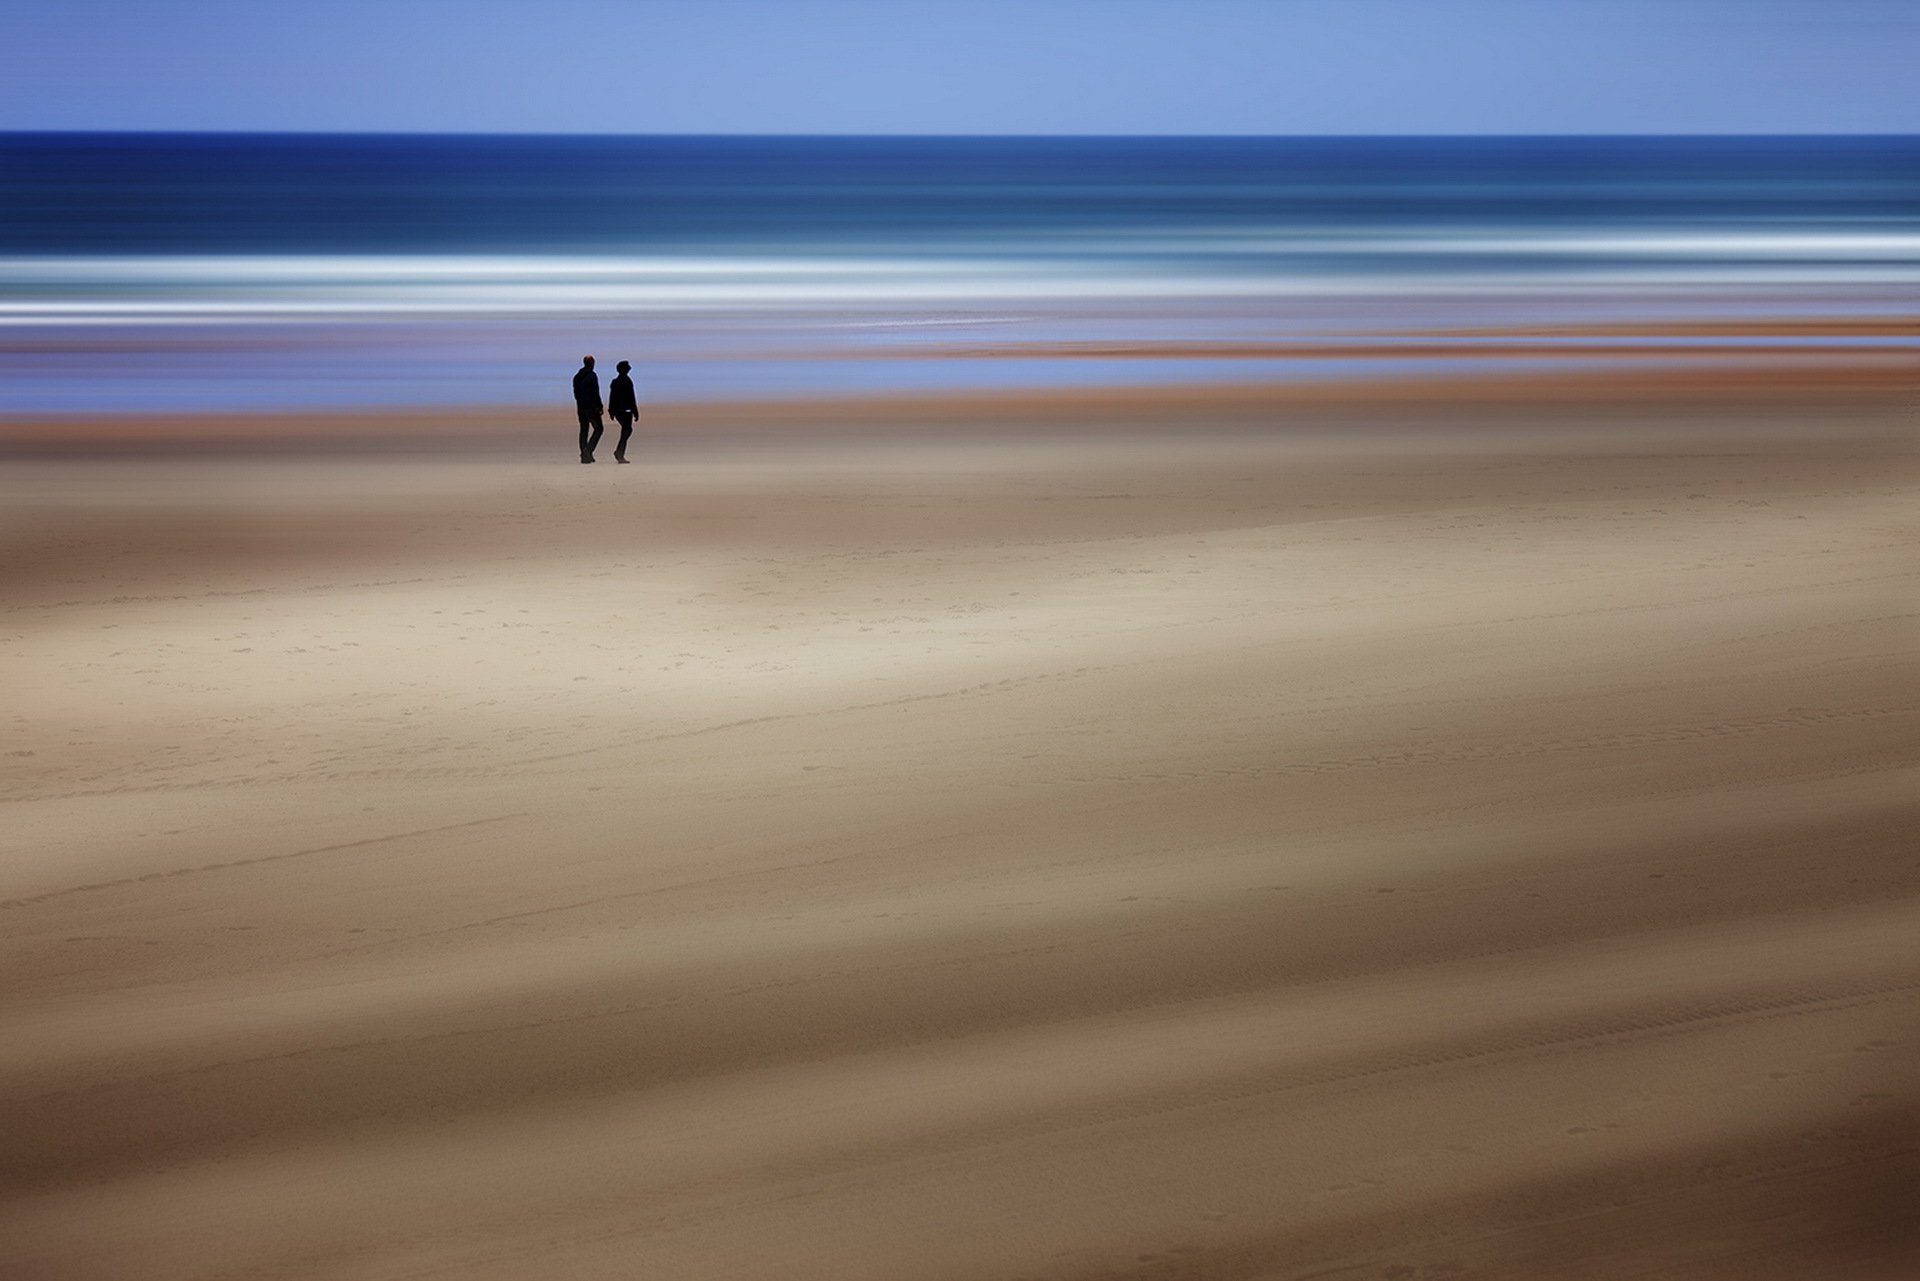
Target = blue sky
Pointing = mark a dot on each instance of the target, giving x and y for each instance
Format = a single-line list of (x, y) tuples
[(965, 66)]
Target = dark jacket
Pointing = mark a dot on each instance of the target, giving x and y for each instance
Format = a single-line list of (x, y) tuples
[(586, 389), (620, 396)]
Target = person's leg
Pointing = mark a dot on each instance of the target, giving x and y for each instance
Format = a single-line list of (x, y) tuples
[(626, 431), (594, 442), (586, 441)]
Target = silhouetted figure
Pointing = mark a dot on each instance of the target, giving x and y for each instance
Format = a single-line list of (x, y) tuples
[(620, 404), (586, 399)]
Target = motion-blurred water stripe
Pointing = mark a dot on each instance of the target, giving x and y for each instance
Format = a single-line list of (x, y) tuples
[(401, 270)]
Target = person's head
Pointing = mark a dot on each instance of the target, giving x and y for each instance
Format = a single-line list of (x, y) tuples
[(586, 362), (622, 367)]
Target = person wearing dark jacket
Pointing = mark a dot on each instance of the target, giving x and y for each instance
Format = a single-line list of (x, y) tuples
[(586, 399), (620, 404)]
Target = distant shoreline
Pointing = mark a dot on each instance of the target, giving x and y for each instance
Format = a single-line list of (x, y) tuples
[(1726, 386)]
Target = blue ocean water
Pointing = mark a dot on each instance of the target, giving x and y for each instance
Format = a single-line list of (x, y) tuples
[(261, 271)]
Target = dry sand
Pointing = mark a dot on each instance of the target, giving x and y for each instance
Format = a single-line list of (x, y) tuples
[(1447, 849)]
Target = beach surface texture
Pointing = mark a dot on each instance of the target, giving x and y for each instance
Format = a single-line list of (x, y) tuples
[(1163, 843)]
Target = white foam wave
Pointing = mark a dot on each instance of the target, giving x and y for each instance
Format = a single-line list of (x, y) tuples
[(1216, 263)]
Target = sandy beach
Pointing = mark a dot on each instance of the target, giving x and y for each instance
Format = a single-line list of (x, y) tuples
[(1212, 845)]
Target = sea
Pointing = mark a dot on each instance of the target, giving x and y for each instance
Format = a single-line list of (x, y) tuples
[(149, 273)]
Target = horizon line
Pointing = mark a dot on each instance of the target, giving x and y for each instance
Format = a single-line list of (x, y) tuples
[(693, 134)]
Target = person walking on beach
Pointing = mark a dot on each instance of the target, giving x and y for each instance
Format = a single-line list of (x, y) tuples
[(620, 404), (586, 399)]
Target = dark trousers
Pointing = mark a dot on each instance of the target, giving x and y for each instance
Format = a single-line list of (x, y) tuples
[(625, 419), (590, 429)]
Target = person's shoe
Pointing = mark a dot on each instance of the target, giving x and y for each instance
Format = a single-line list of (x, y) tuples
[(585, 459), (618, 459)]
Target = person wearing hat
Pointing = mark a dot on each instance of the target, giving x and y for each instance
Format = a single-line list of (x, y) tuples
[(620, 404)]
